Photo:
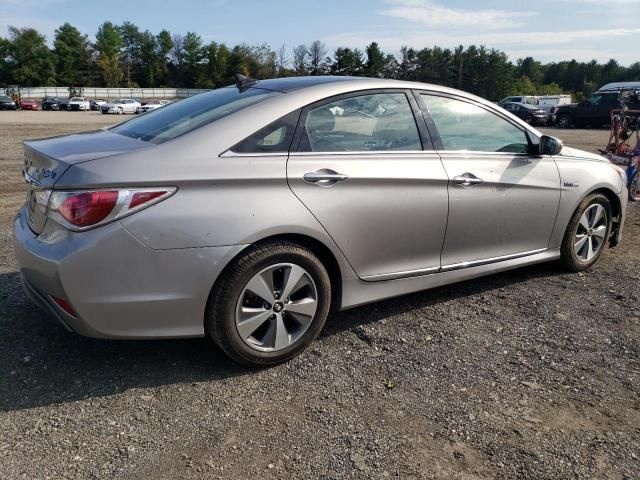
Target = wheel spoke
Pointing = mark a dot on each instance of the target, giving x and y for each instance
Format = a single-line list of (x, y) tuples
[(262, 286), (580, 243), (252, 319), (295, 279), (302, 310), (584, 220), (597, 215), (600, 231), (281, 337), (589, 248)]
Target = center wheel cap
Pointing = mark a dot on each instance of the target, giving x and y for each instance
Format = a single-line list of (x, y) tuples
[(277, 307)]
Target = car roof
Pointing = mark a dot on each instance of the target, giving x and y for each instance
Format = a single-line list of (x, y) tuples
[(289, 84)]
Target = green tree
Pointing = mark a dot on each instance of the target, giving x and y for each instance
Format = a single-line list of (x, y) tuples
[(164, 45), (375, 60), (29, 60), (130, 53), (194, 54), (108, 45), (71, 53), (318, 62), (347, 62)]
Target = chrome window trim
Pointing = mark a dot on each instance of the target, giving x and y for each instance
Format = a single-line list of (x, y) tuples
[(231, 153), (417, 153)]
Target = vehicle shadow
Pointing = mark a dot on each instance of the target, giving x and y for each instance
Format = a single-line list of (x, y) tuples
[(43, 364)]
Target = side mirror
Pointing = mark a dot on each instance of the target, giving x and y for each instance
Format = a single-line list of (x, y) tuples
[(550, 145)]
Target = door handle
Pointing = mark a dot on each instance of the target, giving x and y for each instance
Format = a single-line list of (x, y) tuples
[(467, 180), (324, 177)]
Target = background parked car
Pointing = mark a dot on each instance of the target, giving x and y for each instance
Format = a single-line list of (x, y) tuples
[(96, 103), (120, 106), (51, 103), (531, 114), (78, 104), (28, 105), (527, 99), (7, 103), (153, 105), (595, 111)]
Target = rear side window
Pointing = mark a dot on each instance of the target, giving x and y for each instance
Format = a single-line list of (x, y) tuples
[(175, 119), (382, 121), (465, 126), (274, 138)]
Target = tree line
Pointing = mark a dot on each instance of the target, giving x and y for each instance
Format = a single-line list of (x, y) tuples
[(125, 56)]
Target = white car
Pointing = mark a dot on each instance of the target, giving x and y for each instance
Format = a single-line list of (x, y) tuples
[(153, 105), (120, 106), (78, 103)]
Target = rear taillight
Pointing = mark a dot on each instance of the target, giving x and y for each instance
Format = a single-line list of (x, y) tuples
[(88, 208), (85, 209)]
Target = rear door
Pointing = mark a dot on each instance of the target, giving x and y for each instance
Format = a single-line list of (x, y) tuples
[(361, 169), (503, 201)]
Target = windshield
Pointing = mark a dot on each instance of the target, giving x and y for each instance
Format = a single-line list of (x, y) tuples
[(191, 113)]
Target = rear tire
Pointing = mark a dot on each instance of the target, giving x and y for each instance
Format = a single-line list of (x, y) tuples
[(587, 233), (564, 121), (271, 319)]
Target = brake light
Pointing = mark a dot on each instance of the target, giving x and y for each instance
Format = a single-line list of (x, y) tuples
[(88, 208), (82, 210)]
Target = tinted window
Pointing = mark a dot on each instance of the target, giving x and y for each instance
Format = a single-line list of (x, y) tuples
[(464, 126), (381, 121), (603, 99), (274, 138), (182, 117)]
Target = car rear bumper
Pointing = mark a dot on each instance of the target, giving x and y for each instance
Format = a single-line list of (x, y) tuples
[(118, 287)]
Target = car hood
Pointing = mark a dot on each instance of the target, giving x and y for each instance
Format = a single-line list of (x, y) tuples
[(574, 152)]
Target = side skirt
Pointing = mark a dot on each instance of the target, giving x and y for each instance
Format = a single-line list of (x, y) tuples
[(358, 292)]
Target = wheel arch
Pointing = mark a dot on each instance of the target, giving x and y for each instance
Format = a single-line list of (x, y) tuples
[(323, 252)]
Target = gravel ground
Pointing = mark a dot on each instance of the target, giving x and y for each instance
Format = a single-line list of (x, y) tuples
[(529, 374)]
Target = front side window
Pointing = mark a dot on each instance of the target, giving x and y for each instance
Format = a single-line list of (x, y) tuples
[(381, 121), (178, 118), (465, 126)]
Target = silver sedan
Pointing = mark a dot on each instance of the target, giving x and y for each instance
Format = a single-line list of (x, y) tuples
[(251, 212)]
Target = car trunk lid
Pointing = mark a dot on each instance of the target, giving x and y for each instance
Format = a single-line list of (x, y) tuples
[(45, 161)]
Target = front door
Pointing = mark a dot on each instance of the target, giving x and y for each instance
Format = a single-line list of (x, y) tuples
[(502, 200), (360, 168)]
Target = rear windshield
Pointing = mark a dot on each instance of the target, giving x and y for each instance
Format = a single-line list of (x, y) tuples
[(182, 117)]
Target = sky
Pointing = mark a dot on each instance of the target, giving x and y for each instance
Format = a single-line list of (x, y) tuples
[(548, 30)]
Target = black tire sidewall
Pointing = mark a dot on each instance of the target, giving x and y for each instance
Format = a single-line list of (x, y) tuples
[(567, 117), (222, 311), (568, 254), (635, 178)]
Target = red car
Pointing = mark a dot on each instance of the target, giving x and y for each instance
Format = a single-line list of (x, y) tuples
[(28, 105)]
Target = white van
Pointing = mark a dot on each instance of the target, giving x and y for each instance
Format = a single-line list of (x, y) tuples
[(528, 99), (550, 103)]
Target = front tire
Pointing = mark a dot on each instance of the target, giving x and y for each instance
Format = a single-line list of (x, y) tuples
[(269, 304), (564, 121), (587, 233)]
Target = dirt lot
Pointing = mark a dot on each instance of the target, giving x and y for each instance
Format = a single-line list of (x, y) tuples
[(529, 374)]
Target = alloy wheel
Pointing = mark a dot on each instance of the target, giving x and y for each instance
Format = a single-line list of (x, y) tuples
[(276, 307), (591, 232)]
